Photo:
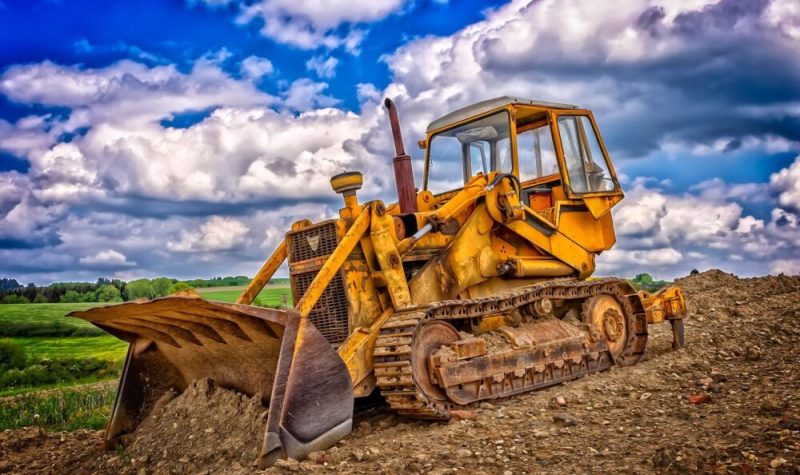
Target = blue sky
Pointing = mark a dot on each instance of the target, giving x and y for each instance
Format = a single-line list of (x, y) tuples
[(182, 138)]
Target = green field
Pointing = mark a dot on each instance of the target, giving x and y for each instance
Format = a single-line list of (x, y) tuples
[(44, 313), (22, 323), (104, 347), (45, 334), (270, 296)]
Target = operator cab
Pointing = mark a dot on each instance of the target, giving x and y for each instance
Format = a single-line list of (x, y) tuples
[(553, 149)]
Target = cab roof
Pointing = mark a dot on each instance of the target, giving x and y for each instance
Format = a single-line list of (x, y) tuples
[(489, 105)]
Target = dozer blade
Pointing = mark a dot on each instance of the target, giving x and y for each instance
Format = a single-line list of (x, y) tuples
[(271, 354)]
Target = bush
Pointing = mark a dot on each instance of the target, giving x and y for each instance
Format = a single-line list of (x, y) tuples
[(59, 410), (179, 287), (70, 296), (45, 372), (49, 329), (13, 298), (12, 355), (108, 293)]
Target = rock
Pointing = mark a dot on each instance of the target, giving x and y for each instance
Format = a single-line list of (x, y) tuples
[(645, 396), (663, 458), (463, 415), (718, 377), (464, 453), (752, 353), (771, 407), (560, 400), (777, 462), (565, 419), (702, 398), (705, 381), (287, 463)]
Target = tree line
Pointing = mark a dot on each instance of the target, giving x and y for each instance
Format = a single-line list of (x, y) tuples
[(104, 290)]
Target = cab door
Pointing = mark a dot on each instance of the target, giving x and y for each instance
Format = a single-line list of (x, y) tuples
[(587, 170)]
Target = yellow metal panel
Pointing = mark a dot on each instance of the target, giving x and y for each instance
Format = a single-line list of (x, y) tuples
[(264, 274)]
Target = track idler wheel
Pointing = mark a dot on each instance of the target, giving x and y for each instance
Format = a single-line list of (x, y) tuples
[(606, 319), (430, 337)]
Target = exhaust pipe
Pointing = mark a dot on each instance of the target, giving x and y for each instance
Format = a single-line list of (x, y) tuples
[(403, 173)]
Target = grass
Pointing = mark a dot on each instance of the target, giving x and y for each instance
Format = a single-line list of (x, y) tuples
[(63, 409), (45, 334), (270, 296), (44, 319), (104, 347)]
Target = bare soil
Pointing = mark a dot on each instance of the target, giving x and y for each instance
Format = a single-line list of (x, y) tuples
[(727, 403)]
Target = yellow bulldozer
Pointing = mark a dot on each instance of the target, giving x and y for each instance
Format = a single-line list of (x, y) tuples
[(474, 287)]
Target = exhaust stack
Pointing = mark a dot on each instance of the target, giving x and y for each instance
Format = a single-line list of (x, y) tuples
[(403, 173)]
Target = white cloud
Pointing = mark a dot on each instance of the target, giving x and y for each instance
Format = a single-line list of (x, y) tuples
[(127, 92), (305, 94), (216, 234), (324, 67), (787, 183), (255, 68), (256, 149), (308, 24), (107, 258)]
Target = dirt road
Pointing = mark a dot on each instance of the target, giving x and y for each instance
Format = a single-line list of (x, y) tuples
[(728, 403)]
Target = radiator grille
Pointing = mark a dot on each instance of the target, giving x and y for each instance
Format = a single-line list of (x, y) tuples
[(316, 241), (329, 315)]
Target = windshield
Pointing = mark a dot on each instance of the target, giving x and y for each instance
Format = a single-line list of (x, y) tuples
[(460, 153)]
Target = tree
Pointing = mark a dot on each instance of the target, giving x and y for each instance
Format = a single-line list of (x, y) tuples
[(179, 287), (162, 286), (89, 296), (108, 293), (40, 298), (14, 298), (71, 296), (137, 289)]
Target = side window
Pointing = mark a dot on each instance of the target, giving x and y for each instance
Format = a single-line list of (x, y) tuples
[(504, 163), (478, 158), (586, 165), (537, 155)]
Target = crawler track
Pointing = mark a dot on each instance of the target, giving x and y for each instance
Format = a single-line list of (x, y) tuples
[(393, 348)]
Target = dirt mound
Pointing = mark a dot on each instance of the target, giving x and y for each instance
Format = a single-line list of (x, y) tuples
[(727, 403), (204, 427)]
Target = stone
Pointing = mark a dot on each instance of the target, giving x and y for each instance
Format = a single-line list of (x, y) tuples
[(565, 419)]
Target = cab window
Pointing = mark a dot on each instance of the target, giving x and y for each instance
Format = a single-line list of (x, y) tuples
[(480, 146), (537, 155), (586, 164)]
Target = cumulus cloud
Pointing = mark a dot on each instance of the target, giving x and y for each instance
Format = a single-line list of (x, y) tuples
[(672, 234), (786, 183), (107, 258), (693, 78), (307, 24), (216, 234), (255, 68), (325, 67)]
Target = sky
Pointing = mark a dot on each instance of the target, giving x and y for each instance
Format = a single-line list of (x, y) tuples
[(182, 138)]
